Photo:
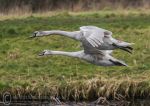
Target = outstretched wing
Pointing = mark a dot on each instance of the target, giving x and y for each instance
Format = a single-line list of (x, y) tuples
[(88, 49), (95, 35), (109, 52)]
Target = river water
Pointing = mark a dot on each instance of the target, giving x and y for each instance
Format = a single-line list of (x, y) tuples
[(111, 103), (140, 103), (115, 103)]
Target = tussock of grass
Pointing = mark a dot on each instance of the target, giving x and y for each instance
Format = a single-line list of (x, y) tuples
[(22, 71), (85, 89)]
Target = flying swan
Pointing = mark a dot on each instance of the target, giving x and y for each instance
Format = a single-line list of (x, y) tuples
[(98, 45)]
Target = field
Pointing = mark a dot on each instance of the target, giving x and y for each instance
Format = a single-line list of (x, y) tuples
[(22, 71)]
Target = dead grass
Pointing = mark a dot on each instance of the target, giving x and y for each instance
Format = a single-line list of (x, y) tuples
[(87, 90), (20, 15)]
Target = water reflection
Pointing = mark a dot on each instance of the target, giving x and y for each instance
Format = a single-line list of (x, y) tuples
[(112, 103), (140, 103)]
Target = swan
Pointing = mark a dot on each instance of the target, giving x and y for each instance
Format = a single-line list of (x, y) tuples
[(98, 45), (91, 37), (101, 58)]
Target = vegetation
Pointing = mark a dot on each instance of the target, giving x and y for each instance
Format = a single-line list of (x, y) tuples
[(23, 71), (32, 6)]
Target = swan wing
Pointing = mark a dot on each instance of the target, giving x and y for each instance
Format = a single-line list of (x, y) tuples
[(95, 35)]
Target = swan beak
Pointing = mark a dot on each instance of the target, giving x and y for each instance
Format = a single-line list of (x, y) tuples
[(33, 35), (42, 53)]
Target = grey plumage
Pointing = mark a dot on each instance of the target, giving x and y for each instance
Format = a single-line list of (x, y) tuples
[(98, 45)]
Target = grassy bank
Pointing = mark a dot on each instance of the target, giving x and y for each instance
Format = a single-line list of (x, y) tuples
[(23, 71)]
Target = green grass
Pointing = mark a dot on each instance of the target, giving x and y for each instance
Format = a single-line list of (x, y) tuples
[(22, 68)]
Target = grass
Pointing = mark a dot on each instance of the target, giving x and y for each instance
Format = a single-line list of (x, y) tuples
[(23, 71)]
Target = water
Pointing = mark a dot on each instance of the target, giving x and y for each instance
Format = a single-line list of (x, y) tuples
[(116, 103), (140, 103), (111, 103)]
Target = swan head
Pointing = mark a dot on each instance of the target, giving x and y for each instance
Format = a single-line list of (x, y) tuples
[(45, 52), (37, 34)]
